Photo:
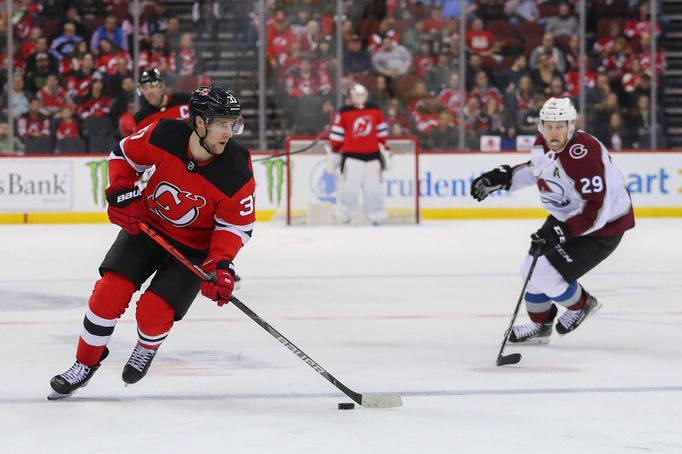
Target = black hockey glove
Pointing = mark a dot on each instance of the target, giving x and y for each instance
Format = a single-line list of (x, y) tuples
[(552, 232), (498, 178)]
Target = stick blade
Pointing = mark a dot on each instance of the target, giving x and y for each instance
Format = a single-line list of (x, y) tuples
[(509, 359), (381, 401)]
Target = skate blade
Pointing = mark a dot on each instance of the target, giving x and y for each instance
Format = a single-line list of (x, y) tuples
[(54, 395), (537, 341)]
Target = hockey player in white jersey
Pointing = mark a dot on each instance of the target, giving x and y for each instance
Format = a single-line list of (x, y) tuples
[(590, 209)]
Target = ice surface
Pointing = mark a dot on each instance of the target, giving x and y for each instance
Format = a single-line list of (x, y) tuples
[(418, 310)]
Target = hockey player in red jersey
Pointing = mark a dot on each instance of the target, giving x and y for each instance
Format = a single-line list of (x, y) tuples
[(590, 210), (357, 135), (200, 198), (156, 103)]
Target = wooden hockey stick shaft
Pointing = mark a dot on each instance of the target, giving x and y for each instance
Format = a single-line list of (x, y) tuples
[(377, 401), (515, 357)]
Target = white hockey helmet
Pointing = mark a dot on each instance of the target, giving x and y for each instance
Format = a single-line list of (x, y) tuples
[(358, 95), (558, 109)]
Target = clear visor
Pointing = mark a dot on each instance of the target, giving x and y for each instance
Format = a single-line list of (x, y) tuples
[(147, 86), (234, 126)]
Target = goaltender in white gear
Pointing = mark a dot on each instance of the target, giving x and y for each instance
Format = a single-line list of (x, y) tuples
[(357, 136)]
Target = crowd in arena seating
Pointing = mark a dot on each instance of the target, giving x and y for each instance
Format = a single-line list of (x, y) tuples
[(518, 54), (73, 86)]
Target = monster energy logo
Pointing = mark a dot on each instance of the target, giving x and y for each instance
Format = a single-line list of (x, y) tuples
[(99, 178), (274, 170)]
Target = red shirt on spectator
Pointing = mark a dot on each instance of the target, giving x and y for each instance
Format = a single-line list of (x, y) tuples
[(67, 129), (636, 27), (572, 78), (164, 62), (645, 58), (52, 102), (94, 107), (106, 63), (28, 126), (299, 85), (422, 63), (281, 43), (480, 41), (451, 99)]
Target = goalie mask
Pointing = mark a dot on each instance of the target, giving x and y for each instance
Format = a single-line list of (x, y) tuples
[(214, 102), (358, 95)]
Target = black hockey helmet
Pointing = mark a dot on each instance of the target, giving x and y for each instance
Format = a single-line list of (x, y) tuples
[(213, 101), (151, 75)]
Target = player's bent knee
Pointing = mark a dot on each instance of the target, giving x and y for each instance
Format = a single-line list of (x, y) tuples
[(111, 296), (154, 314)]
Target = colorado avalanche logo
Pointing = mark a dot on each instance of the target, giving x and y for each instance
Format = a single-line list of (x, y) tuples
[(178, 207), (577, 151), (552, 193), (362, 126)]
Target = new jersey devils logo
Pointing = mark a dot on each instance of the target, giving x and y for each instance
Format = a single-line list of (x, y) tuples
[(362, 126), (178, 207)]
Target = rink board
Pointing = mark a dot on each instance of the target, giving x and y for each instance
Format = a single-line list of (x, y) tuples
[(70, 189)]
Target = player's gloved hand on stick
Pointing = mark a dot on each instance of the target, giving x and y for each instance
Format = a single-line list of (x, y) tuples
[(222, 270), (125, 208), (552, 232), (498, 178)]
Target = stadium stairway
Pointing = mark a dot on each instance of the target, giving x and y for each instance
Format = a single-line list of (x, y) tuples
[(671, 11)]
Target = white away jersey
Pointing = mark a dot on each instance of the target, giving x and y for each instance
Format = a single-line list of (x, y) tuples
[(579, 186)]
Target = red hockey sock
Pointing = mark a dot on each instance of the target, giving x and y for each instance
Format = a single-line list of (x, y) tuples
[(108, 302), (581, 301), (154, 320)]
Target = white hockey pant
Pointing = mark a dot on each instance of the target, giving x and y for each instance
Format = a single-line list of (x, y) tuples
[(360, 176), (545, 285)]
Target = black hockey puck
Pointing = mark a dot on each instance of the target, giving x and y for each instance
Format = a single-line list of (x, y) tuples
[(346, 406)]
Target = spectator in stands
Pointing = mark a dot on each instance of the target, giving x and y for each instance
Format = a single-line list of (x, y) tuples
[(640, 123), (558, 90), (642, 24), (111, 30), (527, 120), (599, 117), (521, 10), (572, 53), (596, 95), (493, 110), (7, 148), (545, 72), (356, 60), (159, 56), (618, 137), (78, 82), (173, 33), (74, 17), (91, 10), (29, 45), (481, 41), (125, 94), (114, 82), (414, 36), (475, 64), (67, 126), (380, 95), (41, 49), (392, 60), (63, 45), (96, 104), (158, 20), (476, 123), (36, 78), (126, 121), (311, 37), (52, 96), (451, 97), (188, 60), (423, 60), (548, 48), (107, 57), (508, 80), (483, 90), (438, 76), (445, 136), (564, 23), (451, 8), (302, 81), (20, 97), (33, 123), (521, 97)]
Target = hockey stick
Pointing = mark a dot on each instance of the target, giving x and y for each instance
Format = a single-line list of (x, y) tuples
[(375, 401), (308, 147), (515, 357)]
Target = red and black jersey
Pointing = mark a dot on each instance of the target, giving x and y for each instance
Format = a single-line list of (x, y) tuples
[(177, 108), (208, 205), (358, 131)]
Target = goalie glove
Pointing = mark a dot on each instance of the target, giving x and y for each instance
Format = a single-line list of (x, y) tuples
[(386, 156)]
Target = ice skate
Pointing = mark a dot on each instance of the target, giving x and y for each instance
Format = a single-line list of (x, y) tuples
[(531, 333), (78, 376), (570, 320), (138, 364)]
